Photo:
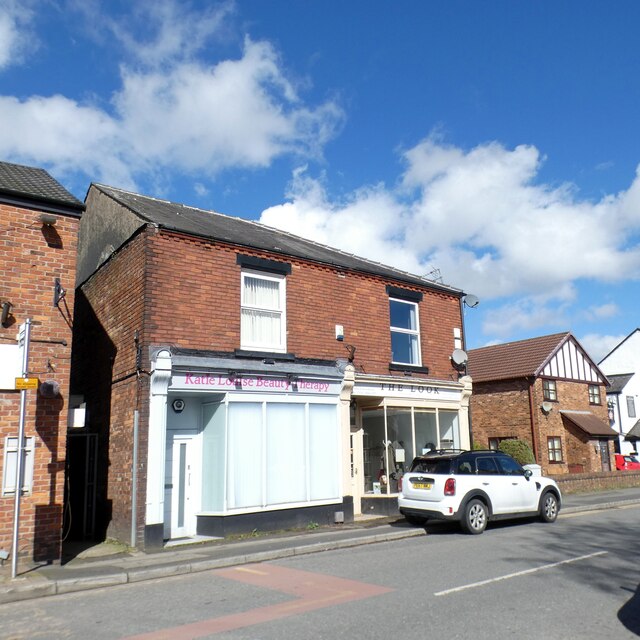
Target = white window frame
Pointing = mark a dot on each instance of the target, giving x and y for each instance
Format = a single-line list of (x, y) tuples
[(245, 343), (9, 464), (412, 332)]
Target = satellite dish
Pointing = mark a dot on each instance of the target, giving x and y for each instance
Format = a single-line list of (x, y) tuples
[(546, 407), (459, 358), (471, 301)]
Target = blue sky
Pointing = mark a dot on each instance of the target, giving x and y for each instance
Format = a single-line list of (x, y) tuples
[(493, 143)]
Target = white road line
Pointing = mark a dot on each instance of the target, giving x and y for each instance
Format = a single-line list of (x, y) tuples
[(518, 573)]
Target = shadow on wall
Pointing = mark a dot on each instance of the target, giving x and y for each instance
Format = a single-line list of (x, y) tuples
[(629, 615), (48, 517), (87, 511)]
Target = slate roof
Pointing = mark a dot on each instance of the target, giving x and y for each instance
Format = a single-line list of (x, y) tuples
[(239, 231), (590, 424), (33, 186), (618, 382), (511, 360), (634, 432)]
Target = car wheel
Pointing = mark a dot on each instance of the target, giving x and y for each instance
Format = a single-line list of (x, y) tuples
[(549, 507), (416, 521), (474, 518)]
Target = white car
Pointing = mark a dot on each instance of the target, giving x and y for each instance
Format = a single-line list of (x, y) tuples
[(474, 487)]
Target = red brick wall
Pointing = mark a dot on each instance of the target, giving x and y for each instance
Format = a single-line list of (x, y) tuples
[(110, 309), (185, 292), (578, 451), (194, 302), (502, 410), (32, 257)]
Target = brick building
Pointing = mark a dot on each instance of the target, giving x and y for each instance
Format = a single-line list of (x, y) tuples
[(38, 238), (237, 377), (548, 392)]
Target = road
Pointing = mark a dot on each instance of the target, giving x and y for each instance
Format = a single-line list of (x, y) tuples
[(577, 578)]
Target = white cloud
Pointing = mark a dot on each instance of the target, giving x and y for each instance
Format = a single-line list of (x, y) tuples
[(15, 36), (63, 134), (603, 311), (187, 116), (171, 31), (481, 218), (598, 346), (240, 113)]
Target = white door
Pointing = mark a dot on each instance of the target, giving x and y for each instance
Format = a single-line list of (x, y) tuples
[(184, 485)]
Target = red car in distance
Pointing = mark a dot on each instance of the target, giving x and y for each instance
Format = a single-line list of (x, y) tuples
[(626, 462)]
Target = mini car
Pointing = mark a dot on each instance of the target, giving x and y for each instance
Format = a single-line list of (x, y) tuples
[(474, 488)]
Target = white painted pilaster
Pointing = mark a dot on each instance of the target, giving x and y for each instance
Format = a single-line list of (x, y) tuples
[(160, 378)]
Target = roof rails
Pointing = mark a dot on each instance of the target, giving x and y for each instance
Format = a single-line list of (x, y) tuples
[(440, 452)]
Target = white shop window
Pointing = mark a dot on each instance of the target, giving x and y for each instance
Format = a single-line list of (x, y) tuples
[(11, 462), (266, 454)]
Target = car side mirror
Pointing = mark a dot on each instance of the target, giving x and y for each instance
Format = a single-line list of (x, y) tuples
[(528, 473)]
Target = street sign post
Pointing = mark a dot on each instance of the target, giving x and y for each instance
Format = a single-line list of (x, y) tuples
[(24, 337)]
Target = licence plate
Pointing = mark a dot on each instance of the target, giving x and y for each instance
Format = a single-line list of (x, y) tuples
[(422, 485)]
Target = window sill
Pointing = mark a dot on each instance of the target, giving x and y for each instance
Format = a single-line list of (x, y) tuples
[(263, 355), (407, 368)]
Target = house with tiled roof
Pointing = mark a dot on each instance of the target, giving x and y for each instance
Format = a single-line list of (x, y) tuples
[(622, 366), (39, 222), (240, 378), (548, 392)]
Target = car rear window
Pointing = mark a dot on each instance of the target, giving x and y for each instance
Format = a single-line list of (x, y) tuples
[(432, 466)]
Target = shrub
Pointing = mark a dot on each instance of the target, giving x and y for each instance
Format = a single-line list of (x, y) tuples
[(518, 449)]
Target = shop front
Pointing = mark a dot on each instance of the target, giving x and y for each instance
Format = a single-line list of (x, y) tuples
[(237, 446), (391, 423)]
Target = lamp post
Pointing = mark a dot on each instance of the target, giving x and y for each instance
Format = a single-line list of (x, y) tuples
[(23, 342)]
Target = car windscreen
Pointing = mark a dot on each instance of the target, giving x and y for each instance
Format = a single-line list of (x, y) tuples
[(436, 466)]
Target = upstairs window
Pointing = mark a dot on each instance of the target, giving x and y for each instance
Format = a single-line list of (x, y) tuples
[(263, 318), (594, 394), (405, 332), (549, 391), (631, 407)]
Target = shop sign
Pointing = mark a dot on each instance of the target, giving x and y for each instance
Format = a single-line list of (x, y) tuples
[(406, 390), (264, 384)]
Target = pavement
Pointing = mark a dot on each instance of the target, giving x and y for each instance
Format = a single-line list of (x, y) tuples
[(97, 565)]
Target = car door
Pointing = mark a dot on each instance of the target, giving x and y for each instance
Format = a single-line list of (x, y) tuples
[(496, 485), (523, 490)]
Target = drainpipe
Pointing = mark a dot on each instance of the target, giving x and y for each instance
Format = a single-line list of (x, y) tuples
[(464, 347), (134, 479), (533, 424)]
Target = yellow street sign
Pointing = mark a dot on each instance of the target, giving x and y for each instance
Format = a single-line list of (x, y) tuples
[(27, 383)]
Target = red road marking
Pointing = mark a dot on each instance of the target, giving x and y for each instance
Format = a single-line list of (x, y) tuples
[(311, 591)]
